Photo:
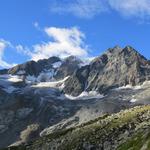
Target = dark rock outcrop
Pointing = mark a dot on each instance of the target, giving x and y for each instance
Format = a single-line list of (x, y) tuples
[(3, 71), (68, 67), (64, 68)]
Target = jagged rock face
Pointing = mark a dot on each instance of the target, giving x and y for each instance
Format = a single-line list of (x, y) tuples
[(116, 67), (54, 65), (68, 67), (32, 67), (77, 82)]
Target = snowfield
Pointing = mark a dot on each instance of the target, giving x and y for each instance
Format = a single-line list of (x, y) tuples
[(10, 78), (53, 84), (42, 77)]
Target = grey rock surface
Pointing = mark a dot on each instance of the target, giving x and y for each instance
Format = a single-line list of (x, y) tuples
[(116, 67)]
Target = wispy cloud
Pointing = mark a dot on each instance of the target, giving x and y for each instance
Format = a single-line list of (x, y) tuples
[(79, 8), (3, 45), (62, 42), (66, 41), (23, 50), (132, 8), (90, 8)]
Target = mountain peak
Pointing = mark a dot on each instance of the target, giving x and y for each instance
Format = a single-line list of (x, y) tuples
[(130, 49), (126, 52), (116, 67), (118, 49), (115, 49)]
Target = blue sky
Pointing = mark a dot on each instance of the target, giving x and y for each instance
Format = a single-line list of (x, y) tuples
[(36, 29)]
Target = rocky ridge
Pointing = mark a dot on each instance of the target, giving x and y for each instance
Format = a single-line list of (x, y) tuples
[(54, 67)]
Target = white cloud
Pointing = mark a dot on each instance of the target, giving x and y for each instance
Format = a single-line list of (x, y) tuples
[(62, 42), (132, 8), (65, 42), (90, 8), (79, 8), (3, 45), (23, 50)]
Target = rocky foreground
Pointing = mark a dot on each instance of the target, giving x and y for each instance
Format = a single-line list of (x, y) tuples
[(128, 129)]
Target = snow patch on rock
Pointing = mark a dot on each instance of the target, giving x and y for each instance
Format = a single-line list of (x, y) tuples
[(57, 64), (129, 87), (85, 95), (133, 100), (6, 82), (10, 78), (137, 87), (86, 61), (21, 72), (146, 83), (15, 79)]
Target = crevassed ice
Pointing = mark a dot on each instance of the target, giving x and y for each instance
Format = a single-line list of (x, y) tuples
[(45, 76), (42, 77), (30, 79)]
